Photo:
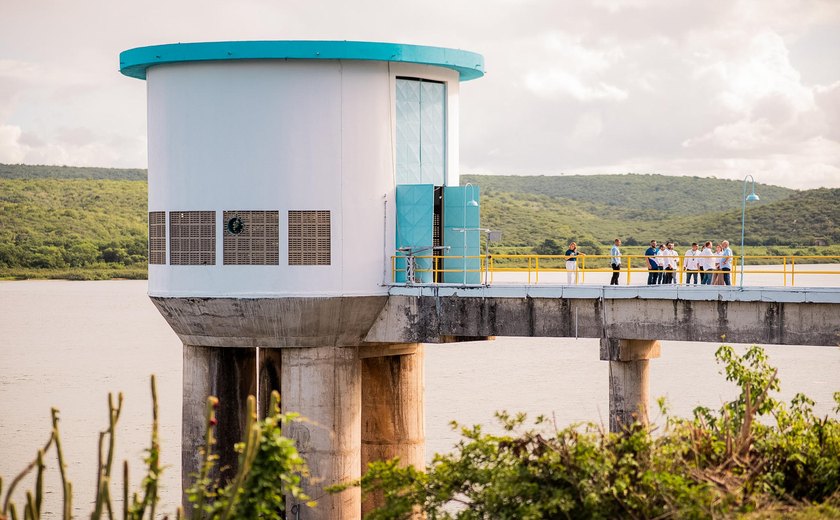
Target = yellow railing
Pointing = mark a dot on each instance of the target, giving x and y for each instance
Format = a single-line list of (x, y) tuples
[(428, 269)]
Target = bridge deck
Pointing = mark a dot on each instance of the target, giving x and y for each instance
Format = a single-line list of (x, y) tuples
[(764, 315), (649, 292)]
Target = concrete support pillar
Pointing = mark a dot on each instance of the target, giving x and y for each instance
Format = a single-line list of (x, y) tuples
[(392, 411), (629, 385), (324, 385), (269, 374), (229, 374)]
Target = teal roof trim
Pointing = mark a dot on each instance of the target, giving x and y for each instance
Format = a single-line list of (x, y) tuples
[(135, 62)]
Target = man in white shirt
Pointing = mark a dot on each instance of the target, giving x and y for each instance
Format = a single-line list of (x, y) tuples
[(692, 264), (707, 263), (660, 263), (671, 258)]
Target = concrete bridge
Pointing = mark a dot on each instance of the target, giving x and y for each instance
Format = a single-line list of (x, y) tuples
[(354, 365), (629, 321)]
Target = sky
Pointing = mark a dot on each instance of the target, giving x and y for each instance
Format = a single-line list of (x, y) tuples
[(701, 88)]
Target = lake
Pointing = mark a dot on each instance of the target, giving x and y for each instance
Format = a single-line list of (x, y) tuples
[(67, 344)]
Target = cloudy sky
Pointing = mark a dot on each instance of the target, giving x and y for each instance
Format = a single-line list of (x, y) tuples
[(679, 87)]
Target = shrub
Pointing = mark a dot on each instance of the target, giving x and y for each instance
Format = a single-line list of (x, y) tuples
[(721, 462), (269, 467)]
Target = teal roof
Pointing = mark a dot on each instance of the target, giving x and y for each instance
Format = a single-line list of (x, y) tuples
[(134, 62)]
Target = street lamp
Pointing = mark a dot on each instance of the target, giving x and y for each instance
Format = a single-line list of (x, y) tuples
[(752, 197), (474, 204)]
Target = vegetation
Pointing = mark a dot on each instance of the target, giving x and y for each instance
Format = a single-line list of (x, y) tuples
[(754, 456), (269, 467), (89, 228), (639, 208), (26, 171), (633, 196), (91, 223)]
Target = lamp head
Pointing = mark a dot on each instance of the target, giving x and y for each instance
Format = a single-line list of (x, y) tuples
[(752, 197), (474, 203)]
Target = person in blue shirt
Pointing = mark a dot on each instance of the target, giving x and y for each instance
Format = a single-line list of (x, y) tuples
[(653, 267), (726, 262), (615, 261)]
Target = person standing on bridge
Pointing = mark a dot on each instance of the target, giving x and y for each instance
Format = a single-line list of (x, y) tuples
[(692, 264), (717, 279), (670, 258), (615, 261), (706, 263), (571, 263), (726, 262), (653, 267), (660, 264)]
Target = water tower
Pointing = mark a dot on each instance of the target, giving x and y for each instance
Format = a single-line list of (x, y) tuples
[(284, 176)]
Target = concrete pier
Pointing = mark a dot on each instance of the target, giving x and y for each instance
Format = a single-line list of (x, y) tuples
[(324, 385), (270, 360), (629, 384), (229, 374), (392, 411)]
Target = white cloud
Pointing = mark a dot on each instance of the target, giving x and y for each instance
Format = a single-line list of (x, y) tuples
[(669, 86), (575, 69), (11, 149), (828, 101), (587, 127), (79, 147)]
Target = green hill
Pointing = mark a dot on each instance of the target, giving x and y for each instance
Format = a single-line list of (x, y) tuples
[(26, 171), (632, 196), (638, 208), (72, 222), (91, 222)]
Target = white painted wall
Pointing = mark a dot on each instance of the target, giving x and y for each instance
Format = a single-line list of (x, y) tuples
[(283, 135)]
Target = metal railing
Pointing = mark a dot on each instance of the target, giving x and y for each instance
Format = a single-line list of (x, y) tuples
[(530, 267)]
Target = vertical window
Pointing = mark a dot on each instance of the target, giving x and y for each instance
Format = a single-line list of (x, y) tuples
[(421, 131), (309, 238), (157, 237), (251, 238), (192, 237)]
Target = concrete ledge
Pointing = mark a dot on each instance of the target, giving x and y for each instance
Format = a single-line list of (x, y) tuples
[(271, 322), (655, 292), (734, 316)]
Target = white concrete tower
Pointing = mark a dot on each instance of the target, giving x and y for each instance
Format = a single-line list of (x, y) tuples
[(283, 178)]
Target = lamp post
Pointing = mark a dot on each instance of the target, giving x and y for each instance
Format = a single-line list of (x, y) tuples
[(752, 197), (472, 203)]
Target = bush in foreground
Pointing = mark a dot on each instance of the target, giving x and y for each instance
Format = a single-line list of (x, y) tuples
[(755, 457), (753, 454)]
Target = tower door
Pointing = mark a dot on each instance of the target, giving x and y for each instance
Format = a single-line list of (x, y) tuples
[(462, 234), (415, 222)]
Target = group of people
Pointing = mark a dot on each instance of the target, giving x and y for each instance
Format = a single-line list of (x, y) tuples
[(703, 267)]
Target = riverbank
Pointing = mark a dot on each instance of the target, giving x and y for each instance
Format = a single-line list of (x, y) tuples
[(73, 274)]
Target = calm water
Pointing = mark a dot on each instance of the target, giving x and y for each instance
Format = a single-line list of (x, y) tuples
[(67, 344)]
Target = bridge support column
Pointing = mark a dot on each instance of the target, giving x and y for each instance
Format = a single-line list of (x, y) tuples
[(629, 385), (392, 411), (323, 384), (229, 374)]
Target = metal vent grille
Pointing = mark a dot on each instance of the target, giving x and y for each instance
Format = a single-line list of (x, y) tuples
[(251, 238), (157, 237), (436, 231), (192, 237), (309, 238)]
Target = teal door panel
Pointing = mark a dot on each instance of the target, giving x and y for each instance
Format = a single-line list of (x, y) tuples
[(415, 219), (461, 223)]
